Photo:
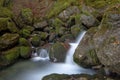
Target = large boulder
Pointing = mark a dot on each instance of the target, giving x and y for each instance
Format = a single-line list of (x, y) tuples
[(85, 54), (107, 40), (8, 40), (77, 77), (57, 52), (102, 43)]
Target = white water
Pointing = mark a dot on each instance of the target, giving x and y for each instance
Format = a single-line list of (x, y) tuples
[(40, 66)]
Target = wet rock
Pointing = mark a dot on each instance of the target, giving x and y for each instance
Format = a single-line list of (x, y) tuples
[(85, 54), (8, 40), (57, 52), (9, 56), (65, 15), (52, 37)]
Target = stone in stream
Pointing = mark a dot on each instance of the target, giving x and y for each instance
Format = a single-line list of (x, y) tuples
[(58, 52)]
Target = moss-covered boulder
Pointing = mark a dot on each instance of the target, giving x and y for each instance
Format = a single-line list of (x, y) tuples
[(9, 56), (27, 16), (8, 40), (3, 24), (24, 42), (77, 77), (25, 51), (35, 40), (57, 52), (85, 54), (107, 39), (12, 27), (25, 33), (43, 35)]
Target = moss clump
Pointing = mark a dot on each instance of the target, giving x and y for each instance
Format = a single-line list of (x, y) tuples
[(27, 16), (5, 12), (12, 27), (23, 42), (10, 56), (43, 35), (36, 40), (92, 54), (25, 51), (3, 23), (25, 33)]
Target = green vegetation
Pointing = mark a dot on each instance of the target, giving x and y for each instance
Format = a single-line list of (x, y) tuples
[(25, 51), (60, 5), (101, 3)]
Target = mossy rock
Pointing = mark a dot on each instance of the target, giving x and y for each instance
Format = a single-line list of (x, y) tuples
[(43, 35), (25, 52), (8, 40), (12, 27), (65, 37), (5, 12), (57, 52), (75, 30), (27, 16), (10, 56), (23, 42), (36, 40), (25, 33), (3, 24)]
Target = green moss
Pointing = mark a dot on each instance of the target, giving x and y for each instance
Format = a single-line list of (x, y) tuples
[(11, 55), (25, 33), (23, 42), (1, 3), (36, 40), (93, 55), (43, 35), (12, 27), (3, 23), (25, 51), (5, 12), (101, 3), (27, 16), (60, 5)]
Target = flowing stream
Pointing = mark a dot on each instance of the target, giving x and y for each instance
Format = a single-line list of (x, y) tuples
[(40, 66)]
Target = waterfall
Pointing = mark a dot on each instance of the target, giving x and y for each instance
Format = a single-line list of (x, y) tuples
[(69, 57), (41, 54)]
